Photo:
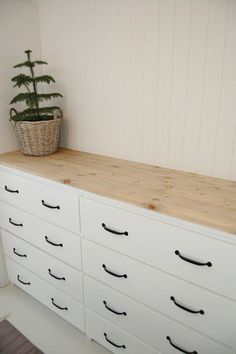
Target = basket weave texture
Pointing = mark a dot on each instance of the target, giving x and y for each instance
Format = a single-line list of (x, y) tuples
[(38, 138)]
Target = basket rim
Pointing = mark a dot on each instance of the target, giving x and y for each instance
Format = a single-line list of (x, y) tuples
[(39, 121)]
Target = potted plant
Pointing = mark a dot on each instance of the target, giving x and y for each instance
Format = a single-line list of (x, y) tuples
[(38, 126)]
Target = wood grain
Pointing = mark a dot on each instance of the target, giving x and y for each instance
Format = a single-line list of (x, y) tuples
[(200, 199)]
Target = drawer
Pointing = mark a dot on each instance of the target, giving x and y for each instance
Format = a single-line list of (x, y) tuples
[(57, 273), (51, 297), (162, 245), (56, 206), (15, 190), (51, 204), (163, 292), (50, 238), (153, 328), (113, 338)]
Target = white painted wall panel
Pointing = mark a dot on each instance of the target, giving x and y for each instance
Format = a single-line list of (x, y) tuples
[(213, 85), (147, 80), (19, 30)]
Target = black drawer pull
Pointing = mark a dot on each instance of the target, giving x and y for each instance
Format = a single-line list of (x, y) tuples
[(52, 243), (14, 223), (208, 264), (54, 276), (114, 344), (59, 307), (11, 190), (117, 313), (50, 206), (178, 348), (114, 274), (22, 282), (186, 308), (18, 254), (114, 231)]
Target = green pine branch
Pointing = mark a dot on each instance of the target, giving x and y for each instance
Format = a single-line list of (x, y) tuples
[(44, 78), (48, 96), (21, 80), (23, 97), (26, 80), (32, 97), (30, 64)]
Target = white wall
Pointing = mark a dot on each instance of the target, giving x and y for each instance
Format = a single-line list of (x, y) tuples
[(19, 30), (147, 80)]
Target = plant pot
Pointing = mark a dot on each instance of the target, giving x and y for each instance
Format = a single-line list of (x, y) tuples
[(38, 138)]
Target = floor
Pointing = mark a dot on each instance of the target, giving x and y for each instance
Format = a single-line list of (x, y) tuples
[(50, 333), (13, 341)]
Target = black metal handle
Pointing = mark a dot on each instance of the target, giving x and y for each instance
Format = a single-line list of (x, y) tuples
[(116, 312), (11, 190), (178, 348), (114, 274), (186, 308), (59, 307), (114, 231), (18, 254), (112, 343), (54, 276), (208, 264), (52, 243), (14, 223), (50, 206), (22, 282)]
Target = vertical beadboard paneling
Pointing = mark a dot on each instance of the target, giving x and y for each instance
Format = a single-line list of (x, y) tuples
[(180, 74), (226, 130), (147, 80), (212, 88), (196, 80), (165, 83), (138, 22), (150, 80), (124, 58)]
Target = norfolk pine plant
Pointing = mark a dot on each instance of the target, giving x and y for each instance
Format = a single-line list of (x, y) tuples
[(31, 97)]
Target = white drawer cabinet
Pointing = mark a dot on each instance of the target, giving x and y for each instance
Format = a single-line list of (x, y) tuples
[(143, 323), (188, 255), (48, 295), (138, 285), (49, 203), (160, 291), (50, 238), (57, 273)]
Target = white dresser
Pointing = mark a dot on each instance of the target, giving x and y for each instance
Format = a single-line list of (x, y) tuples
[(134, 280)]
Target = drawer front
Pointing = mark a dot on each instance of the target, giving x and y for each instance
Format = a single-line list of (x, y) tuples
[(15, 190), (163, 292), (51, 204), (114, 339), (126, 313), (50, 238), (56, 206), (51, 297), (162, 245), (57, 273)]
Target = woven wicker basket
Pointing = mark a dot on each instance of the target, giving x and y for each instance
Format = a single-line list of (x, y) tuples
[(38, 138)]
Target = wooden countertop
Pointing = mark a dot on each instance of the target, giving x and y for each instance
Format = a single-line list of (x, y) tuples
[(203, 200)]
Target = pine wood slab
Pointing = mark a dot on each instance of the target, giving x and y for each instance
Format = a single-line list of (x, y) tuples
[(200, 199)]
